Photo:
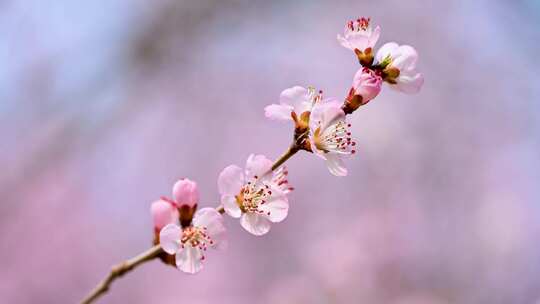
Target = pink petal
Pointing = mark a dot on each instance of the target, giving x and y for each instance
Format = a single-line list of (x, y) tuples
[(230, 206), (189, 259), (169, 238), (231, 180), (278, 206), (213, 221), (335, 164), (326, 113), (278, 111), (185, 192), (257, 165), (163, 213), (298, 97), (255, 224)]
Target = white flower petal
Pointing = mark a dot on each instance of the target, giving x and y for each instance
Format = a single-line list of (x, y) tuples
[(298, 97), (278, 111), (404, 58), (335, 164), (213, 221), (231, 180), (257, 165), (255, 224), (189, 259), (169, 238), (325, 114), (385, 50), (375, 36), (230, 206), (409, 84), (278, 206)]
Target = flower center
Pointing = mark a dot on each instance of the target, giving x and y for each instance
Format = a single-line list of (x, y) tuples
[(361, 24), (335, 138), (252, 196), (196, 237)]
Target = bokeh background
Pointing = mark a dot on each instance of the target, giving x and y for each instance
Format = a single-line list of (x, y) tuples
[(104, 104)]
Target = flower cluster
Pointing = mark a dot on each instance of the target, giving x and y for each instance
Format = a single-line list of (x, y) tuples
[(258, 193)]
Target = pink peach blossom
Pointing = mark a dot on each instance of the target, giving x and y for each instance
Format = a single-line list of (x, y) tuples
[(190, 243), (256, 195), (359, 35), (403, 58), (330, 136), (163, 213), (367, 84)]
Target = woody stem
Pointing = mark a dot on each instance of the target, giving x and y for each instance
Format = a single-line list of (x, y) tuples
[(119, 270)]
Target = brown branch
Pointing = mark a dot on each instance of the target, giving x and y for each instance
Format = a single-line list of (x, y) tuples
[(154, 252), (119, 270)]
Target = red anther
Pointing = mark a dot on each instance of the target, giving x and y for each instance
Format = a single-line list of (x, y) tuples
[(353, 143), (349, 125), (353, 151)]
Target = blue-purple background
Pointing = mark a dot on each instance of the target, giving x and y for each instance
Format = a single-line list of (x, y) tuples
[(104, 104)]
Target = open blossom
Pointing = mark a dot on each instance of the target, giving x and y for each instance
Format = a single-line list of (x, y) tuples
[(366, 83), (189, 244), (297, 100), (400, 67), (330, 136), (163, 213), (256, 195), (359, 35)]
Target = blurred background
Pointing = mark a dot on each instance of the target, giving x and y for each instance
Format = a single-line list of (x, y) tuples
[(105, 104)]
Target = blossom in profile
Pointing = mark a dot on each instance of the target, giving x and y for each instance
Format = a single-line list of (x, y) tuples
[(257, 195), (330, 136), (190, 243), (399, 67), (295, 103), (359, 35)]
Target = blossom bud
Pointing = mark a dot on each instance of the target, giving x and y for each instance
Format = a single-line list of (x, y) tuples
[(185, 192), (163, 213), (186, 196), (367, 84)]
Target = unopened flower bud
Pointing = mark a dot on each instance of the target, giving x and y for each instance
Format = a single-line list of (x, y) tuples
[(185, 192), (367, 84), (163, 213)]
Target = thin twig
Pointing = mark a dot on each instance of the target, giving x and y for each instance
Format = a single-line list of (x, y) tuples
[(290, 152), (121, 269)]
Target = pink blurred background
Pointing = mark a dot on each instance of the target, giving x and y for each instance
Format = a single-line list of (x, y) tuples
[(104, 104)]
